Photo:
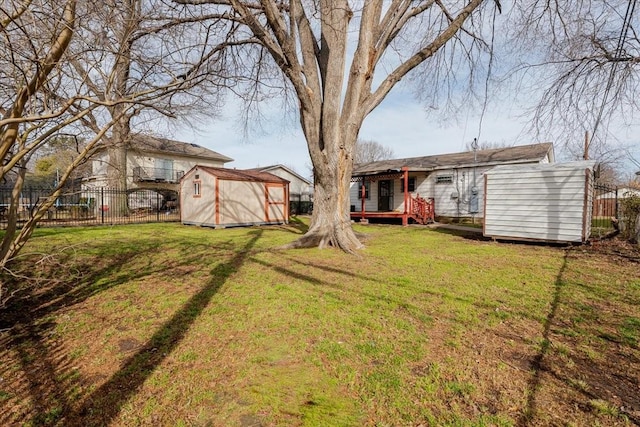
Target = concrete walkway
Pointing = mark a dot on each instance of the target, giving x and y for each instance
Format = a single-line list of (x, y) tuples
[(456, 227)]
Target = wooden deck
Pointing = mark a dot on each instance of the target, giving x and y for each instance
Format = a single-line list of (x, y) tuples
[(420, 211), (416, 208)]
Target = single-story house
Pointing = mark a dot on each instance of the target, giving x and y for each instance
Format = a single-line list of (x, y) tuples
[(544, 202), (445, 185), (300, 188), (219, 197)]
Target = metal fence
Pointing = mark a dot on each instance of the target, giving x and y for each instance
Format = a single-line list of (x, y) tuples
[(93, 206), (605, 210)]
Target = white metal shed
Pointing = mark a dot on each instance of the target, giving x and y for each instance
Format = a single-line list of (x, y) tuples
[(545, 202), (220, 197)]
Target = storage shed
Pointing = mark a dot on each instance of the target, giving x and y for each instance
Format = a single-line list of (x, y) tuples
[(545, 202), (220, 197)]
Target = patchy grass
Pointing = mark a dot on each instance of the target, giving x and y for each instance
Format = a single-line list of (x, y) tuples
[(162, 324)]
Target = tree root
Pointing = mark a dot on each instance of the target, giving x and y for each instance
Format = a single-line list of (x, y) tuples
[(349, 242)]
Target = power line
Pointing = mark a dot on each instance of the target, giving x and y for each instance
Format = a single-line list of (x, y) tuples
[(622, 38)]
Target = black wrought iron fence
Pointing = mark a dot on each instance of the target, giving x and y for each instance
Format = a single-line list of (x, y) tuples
[(300, 204), (605, 210), (93, 206)]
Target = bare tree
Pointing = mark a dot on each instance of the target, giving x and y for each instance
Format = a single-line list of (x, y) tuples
[(485, 145), (370, 151), (585, 55), (308, 41), (48, 72), (147, 44)]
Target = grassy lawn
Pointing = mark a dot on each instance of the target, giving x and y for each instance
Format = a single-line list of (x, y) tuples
[(167, 325)]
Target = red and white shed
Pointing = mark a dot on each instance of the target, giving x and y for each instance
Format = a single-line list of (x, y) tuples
[(220, 197)]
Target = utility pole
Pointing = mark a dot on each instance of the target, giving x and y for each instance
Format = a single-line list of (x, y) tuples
[(585, 156)]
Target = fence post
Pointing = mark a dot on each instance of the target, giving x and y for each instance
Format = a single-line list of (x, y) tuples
[(157, 206), (102, 204)]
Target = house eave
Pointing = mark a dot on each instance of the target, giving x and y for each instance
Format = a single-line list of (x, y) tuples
[(374, 172)]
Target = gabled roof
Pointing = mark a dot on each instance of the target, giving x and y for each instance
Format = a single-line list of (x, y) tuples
[(240, 174), (495, 156), (291, 171), (152, 144)]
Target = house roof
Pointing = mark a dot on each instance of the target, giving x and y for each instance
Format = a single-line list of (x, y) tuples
[(291, 171), (494, 156), (241, 174), (152, 144)]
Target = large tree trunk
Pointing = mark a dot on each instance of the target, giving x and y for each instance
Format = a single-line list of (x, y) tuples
[(330, 221), (117, 173), (331, 129)]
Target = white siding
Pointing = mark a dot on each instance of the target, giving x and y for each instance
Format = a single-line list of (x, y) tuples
[(297, 187), (461, 186), (100, 164), (242, 202), (371, 203), (544, 202)]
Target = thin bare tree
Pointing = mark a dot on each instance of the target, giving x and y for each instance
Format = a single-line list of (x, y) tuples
[(370, 151), (584, 56), (48, 73), (310, 42)]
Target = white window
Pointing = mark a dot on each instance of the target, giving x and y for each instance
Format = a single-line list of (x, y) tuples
[(197, 187), (367, 187)]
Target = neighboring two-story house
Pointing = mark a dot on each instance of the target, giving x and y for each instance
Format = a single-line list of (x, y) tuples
[(154, 167), (154, 163)]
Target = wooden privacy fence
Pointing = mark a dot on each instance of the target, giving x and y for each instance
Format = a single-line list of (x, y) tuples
[(605, 210), (94, 206)]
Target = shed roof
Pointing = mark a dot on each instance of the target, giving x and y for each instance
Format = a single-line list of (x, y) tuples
[(241, 174), (578, 164), (494, 156)]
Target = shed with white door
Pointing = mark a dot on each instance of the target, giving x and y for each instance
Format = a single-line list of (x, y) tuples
[(220, 197), (543, 202)]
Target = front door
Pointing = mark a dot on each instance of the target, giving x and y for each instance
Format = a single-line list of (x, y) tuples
[(385, 195)]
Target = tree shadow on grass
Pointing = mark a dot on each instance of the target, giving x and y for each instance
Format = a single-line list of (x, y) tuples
[(537, 363), (28, 331), (38, 372), (104, 404), (301, 226), (600, 372)]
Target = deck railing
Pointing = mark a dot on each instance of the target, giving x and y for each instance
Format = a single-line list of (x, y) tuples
[(156, 174), (422, 209)]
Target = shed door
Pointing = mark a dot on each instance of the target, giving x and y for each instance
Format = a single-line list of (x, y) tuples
[(276, 203)]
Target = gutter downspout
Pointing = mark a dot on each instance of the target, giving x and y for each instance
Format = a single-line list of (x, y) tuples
[(363, 193), (405, 177)]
